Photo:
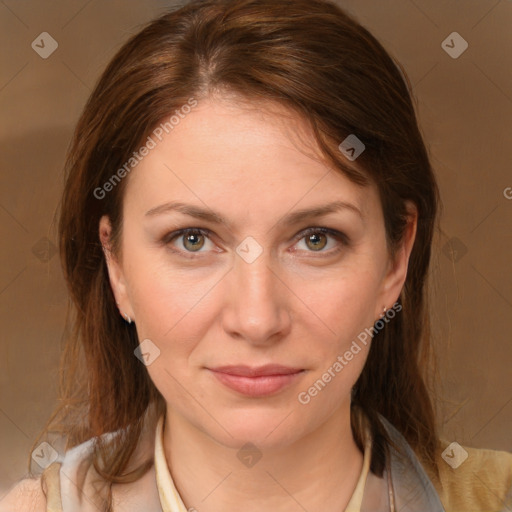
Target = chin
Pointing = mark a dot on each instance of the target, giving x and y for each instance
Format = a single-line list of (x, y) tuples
[(265, 428)]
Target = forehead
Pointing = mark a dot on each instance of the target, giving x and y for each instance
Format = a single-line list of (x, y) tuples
[(247, 154)]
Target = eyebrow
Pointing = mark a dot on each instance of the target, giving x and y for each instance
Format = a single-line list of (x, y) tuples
[(291, 218)]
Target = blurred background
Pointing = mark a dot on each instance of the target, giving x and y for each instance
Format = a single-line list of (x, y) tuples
[(457, 56)]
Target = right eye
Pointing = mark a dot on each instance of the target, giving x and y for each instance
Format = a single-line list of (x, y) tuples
[(188, 240)]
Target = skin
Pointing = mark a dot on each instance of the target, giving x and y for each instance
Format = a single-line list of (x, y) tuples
[(293, 305)]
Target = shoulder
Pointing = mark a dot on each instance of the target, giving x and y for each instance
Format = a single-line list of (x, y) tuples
[(26, 496), (474, 479), (49, 491)]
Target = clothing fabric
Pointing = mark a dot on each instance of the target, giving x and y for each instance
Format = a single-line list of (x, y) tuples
[(482, 483)]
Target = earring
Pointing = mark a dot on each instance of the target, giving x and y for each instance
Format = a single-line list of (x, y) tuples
[(384, 313), (126, 317)]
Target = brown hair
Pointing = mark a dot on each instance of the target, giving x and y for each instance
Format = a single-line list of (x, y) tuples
[(313, 58)]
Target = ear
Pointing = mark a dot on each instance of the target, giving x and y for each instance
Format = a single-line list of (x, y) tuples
[(397, 267), (115, 269)]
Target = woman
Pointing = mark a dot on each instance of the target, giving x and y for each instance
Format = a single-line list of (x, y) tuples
[(246, 231)]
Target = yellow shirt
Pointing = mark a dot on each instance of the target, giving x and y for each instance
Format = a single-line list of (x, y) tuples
[(482, 483)]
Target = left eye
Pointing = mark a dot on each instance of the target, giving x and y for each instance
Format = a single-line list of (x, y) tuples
[(317, 239)]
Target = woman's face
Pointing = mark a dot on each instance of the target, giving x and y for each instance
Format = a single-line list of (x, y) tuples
[(249, 285)]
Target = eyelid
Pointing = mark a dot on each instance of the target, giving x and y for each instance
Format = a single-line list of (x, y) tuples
[(320, 229), (169, 237)]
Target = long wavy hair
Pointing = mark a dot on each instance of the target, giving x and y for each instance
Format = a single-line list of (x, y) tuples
[(320, 63)]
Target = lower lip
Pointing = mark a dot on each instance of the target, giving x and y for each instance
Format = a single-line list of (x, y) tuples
[(257, 386)]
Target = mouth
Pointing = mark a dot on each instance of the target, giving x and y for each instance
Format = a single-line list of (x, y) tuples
[(257, 381)]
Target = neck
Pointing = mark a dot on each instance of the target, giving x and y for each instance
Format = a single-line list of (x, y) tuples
[(316, 472)]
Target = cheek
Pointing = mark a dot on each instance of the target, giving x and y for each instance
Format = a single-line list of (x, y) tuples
[(169, 312), (172, 311), (344, 304), (164, 298)]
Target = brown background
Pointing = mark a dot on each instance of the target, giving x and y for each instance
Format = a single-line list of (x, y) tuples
[(465, 110)]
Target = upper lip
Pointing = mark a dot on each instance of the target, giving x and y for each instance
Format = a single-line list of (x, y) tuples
[(256, 371)]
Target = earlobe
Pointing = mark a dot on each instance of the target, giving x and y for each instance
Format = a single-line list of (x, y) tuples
[(115, 270)]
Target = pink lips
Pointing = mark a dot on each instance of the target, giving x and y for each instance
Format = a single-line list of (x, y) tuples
[(256, 381)]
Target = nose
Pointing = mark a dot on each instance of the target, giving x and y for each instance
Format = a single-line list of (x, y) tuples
[(257, 303)]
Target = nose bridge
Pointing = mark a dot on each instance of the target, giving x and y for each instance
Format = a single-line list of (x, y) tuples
[(256, 280), (257, 308)]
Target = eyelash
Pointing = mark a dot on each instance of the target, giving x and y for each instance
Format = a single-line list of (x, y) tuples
[(338, 235)]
